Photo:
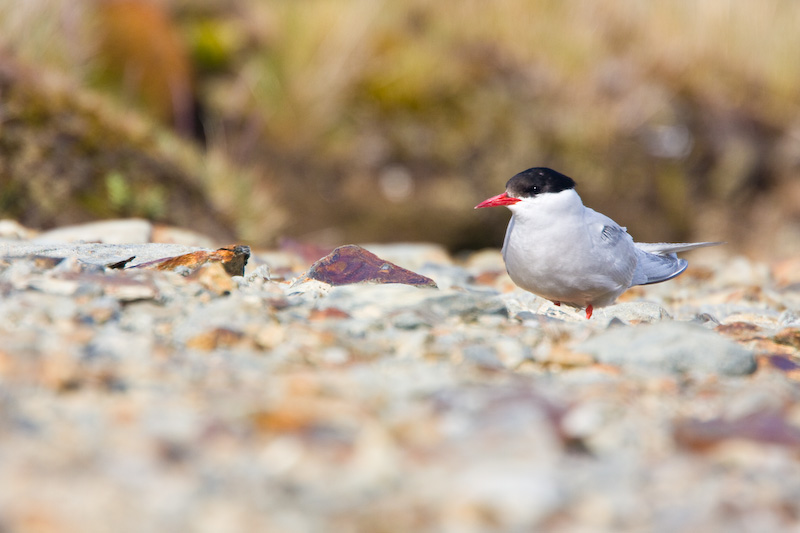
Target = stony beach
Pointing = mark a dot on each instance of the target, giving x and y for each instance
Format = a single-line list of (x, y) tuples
[(186, 399)]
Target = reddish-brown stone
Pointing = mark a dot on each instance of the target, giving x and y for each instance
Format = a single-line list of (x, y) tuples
[(353, 264)]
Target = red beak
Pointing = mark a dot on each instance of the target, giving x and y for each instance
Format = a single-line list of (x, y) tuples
[(500, 199)]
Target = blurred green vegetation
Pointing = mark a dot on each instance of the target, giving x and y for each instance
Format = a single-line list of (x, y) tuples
[(357, 120)]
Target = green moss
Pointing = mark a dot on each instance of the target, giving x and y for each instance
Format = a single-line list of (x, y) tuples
[(120, 197)]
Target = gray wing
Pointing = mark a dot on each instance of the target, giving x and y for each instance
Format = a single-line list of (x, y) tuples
[(655, 268), (657, 261)]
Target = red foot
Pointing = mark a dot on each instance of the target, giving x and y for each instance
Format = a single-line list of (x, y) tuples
[(589, 310), (557, 303)]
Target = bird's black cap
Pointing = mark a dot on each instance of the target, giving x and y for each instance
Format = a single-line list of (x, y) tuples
[(538, 180)]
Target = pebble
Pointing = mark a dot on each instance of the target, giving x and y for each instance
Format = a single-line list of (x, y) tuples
[(268, 401)]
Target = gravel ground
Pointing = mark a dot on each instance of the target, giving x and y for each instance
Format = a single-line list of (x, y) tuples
[(143, 400)]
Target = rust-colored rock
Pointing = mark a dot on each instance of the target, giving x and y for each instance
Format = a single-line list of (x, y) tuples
[(786, 342), (772, 428), (327, 313), (739, 331), (353, 264), (233, 259)]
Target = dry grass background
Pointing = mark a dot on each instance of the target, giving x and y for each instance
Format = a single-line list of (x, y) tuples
[(353, 120)]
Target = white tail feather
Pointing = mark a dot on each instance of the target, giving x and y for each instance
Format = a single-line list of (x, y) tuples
[(662, 248)]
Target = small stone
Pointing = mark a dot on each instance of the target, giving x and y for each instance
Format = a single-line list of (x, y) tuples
[(128, 288), (100, 310), (511, 352), (60, 371), (481, 356), (467, 306), (54, 285), (307, 289), (333, 313), (269, 336), (335, 355), (215, 338), (706, 319), (410, 320), (260, 275), (563, 356), (213, 277)]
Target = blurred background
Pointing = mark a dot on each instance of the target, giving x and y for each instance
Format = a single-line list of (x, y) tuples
[(339, 121)]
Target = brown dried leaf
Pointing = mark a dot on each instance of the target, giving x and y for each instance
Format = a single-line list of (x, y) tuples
[(353, 264)]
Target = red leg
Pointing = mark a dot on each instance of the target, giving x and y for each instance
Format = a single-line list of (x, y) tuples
[(589, 310)]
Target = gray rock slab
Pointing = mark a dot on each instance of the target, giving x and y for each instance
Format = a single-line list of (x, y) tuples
[(94, 253), (670, 347)]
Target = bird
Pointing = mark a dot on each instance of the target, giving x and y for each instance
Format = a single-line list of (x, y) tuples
[(561, 250)]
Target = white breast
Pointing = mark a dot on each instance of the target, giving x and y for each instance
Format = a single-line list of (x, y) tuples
[(555, 248)]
